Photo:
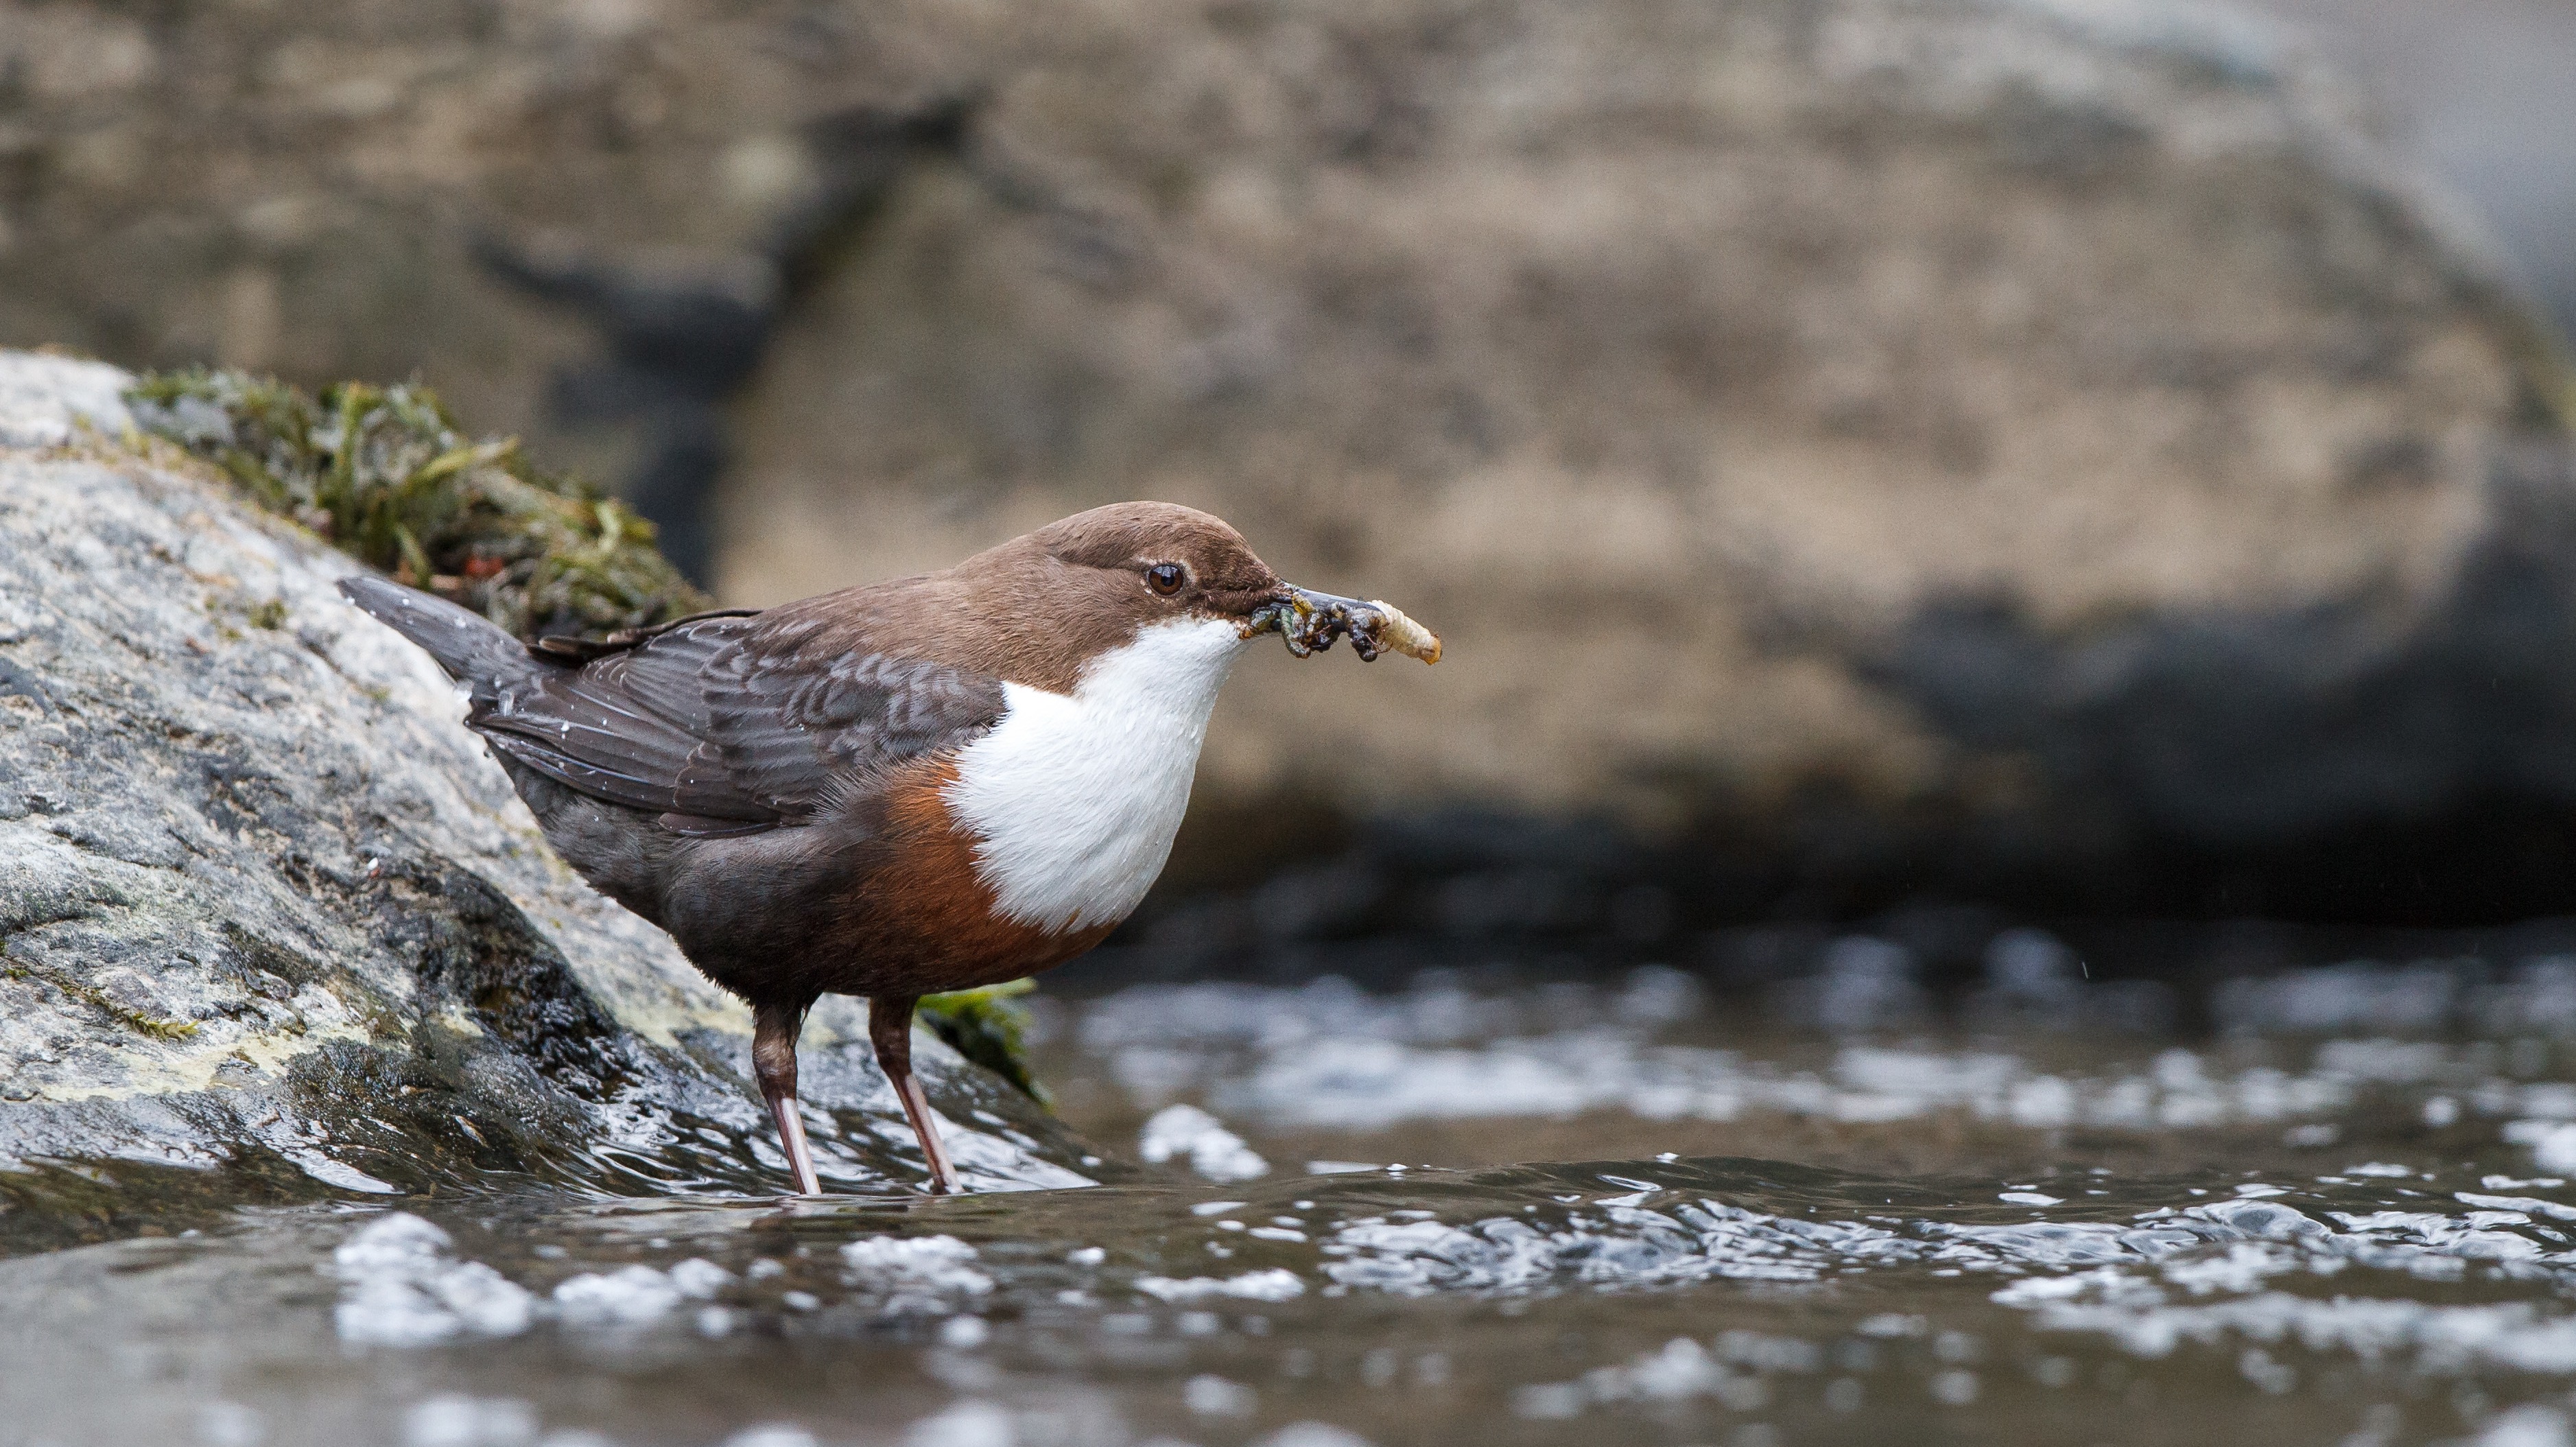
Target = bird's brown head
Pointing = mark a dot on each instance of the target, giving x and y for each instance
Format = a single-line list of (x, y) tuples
[(1162, 561)]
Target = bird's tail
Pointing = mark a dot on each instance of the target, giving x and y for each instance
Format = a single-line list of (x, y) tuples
[(474, 650)]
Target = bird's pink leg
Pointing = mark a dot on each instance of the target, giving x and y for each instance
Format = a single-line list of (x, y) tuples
[(773, 1059), (890, 1030)]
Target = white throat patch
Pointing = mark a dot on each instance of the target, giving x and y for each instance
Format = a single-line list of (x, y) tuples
[(1074, 797)]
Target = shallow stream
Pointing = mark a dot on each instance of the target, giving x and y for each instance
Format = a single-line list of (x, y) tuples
[(2153, 1192)]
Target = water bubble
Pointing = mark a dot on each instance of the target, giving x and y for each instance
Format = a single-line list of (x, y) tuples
[(914, 1275), (2530, 1426), (1377, 1367), (1213, 1151), (2271, 1377), (1866, 984), (630, 1296), (400, 1288), (699, 1279), (230, 1424), (771, 1434), (965, 1424), (1312, 1434), (1271, 1285), (460, 1421), (1208, 1395)]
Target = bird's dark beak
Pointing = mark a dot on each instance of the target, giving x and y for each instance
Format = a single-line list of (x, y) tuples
[(1310, 621)]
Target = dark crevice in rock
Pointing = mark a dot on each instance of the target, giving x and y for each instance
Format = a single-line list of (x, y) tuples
[(469, 943)]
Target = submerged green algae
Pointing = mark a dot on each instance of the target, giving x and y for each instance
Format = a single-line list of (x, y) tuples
[(386, 475), (989, 1027)]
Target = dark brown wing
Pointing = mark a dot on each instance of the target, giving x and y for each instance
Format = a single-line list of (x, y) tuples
[(727, 725), (558, 648)]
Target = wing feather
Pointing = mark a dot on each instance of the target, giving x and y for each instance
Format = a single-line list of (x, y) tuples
[(723, 726)]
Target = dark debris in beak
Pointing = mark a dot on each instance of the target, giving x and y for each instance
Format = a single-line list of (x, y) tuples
[(1310, 621)]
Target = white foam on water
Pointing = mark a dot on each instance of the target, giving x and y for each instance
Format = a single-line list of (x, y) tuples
[(965, 1424), (454, 1420), (700, 1279), (1213, 1151), (1732, 1368), (2529, 1205), (2443, 1339), (1276, 1284), (2207, 1248), (1209, 1395), (1328, 1055), (2526, 1426), (630, 1296), (2553, 1143), (2218, 1273), (771, 1434), (1312, 1434), (400, 1288), (636, 1295), (230, 1424), (914, 1275)]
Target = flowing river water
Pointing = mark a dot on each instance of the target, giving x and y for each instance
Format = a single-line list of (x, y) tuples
[(2149, 1188)]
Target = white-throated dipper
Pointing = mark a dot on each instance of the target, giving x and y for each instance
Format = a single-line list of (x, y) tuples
[(908, 787)]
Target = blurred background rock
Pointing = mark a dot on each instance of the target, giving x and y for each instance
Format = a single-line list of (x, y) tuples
[(2069, 454)]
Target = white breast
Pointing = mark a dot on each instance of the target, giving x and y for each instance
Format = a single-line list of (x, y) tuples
[(1074, 797)]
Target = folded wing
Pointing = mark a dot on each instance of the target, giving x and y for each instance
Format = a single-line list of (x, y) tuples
[(725, 725)]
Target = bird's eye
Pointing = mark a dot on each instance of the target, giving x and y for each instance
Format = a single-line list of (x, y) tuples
[(1165, 578)]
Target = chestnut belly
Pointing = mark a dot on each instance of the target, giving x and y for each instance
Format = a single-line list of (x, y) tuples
[(885, 901)]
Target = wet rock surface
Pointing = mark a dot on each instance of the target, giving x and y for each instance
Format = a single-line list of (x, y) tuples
[(272, 923)]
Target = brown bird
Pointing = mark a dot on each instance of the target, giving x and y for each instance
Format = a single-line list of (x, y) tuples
[(930, 784)]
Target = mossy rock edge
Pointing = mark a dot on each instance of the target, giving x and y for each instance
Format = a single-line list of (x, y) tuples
[(386, 475)]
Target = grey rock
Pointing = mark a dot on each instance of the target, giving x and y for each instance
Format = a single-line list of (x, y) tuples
[(266, 908), (45, 401)]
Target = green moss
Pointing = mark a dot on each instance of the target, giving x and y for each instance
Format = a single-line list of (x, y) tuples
[(989, 1027), (158, 1029), (386, 475)]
